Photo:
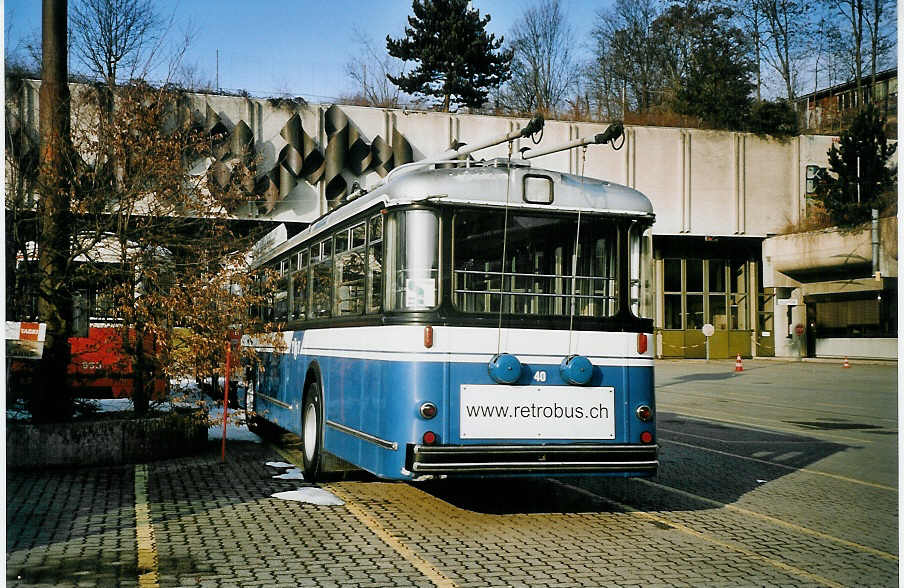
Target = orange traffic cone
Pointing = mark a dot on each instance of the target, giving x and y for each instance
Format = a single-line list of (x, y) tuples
[(738, 366), (846, 363)]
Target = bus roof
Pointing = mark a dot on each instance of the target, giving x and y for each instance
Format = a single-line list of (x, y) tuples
[(483, 184)]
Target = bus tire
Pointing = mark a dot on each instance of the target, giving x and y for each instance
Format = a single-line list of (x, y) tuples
[(312, 433)]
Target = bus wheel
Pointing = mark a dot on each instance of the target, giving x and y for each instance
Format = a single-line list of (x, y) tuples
[(312, 433)]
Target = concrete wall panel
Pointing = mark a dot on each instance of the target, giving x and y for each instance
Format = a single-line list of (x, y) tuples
[(711, 182), (770, 184), (700, 182)]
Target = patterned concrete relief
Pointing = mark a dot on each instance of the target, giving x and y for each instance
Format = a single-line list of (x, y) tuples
[(300, 160)]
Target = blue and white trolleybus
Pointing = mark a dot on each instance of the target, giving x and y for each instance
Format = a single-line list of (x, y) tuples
[(471, 318)]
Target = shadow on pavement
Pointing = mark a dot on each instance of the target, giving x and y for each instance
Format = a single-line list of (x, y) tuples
[(504, 496), (715, 461), (63, 524), (701, 377)]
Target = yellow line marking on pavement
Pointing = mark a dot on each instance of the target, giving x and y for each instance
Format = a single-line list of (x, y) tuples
[(677, 409), (772, 463), (773, 520), (419, 563), (148, 574), (410, 556), (715, 541)]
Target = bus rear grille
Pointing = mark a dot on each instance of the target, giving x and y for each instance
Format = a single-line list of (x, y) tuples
[(450, 459)]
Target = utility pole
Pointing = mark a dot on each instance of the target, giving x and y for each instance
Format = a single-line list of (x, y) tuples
[(51, 400)]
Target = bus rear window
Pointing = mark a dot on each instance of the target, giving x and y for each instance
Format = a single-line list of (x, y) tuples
[(539, 276)]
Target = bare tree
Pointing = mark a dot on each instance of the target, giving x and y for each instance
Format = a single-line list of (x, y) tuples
[(544, 68), (627, 53), (369, 69), (112, 37), (750, 18), (191, 77), (851, 12), (23, 56), (880, 18), (788, 30)]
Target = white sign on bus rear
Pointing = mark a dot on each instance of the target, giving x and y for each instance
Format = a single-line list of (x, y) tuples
[(536, 412)]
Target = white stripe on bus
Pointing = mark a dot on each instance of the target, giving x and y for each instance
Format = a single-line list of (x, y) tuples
[(468, 343)]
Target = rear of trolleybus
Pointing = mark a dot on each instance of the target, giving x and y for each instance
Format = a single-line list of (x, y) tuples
[(534, 308)]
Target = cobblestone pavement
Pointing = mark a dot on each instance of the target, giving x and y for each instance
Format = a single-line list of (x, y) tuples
[(749, 494), (71, 527)]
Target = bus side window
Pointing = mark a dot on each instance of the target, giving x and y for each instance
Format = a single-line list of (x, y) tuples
[(349, 274), (321, 281), (281, 295), (374, 294), (300, 287)]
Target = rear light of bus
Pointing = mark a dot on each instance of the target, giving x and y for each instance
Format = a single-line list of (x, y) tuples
[(428, 337), (644, 413), (428, 410), (646, 437), (641, 343), (429, 438)]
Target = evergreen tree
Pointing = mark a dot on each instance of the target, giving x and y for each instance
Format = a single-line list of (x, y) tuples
[(776, 118), (709, 60), (859, 178), (458, 60)]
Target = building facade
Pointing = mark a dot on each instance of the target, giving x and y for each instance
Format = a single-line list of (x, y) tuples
[(725, 203), (826, 110)]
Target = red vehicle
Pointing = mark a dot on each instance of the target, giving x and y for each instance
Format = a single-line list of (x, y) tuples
[(99, 366), (100, 369)]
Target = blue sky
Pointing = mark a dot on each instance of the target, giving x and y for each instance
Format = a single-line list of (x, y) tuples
[(297, 47)]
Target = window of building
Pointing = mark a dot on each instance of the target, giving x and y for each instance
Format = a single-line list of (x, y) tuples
[(672, 294), (738, 282), (716, 314), (693, 317)]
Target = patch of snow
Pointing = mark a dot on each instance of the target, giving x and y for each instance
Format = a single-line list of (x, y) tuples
[(184, 384), (292, 474), (279, 464), (310, 495), (236, 430), (15, 414), (113, 404)]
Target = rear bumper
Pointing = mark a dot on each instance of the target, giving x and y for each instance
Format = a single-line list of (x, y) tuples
[(502, 459)]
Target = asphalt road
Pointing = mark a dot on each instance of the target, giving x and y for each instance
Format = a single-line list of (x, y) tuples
[(784, 474)]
